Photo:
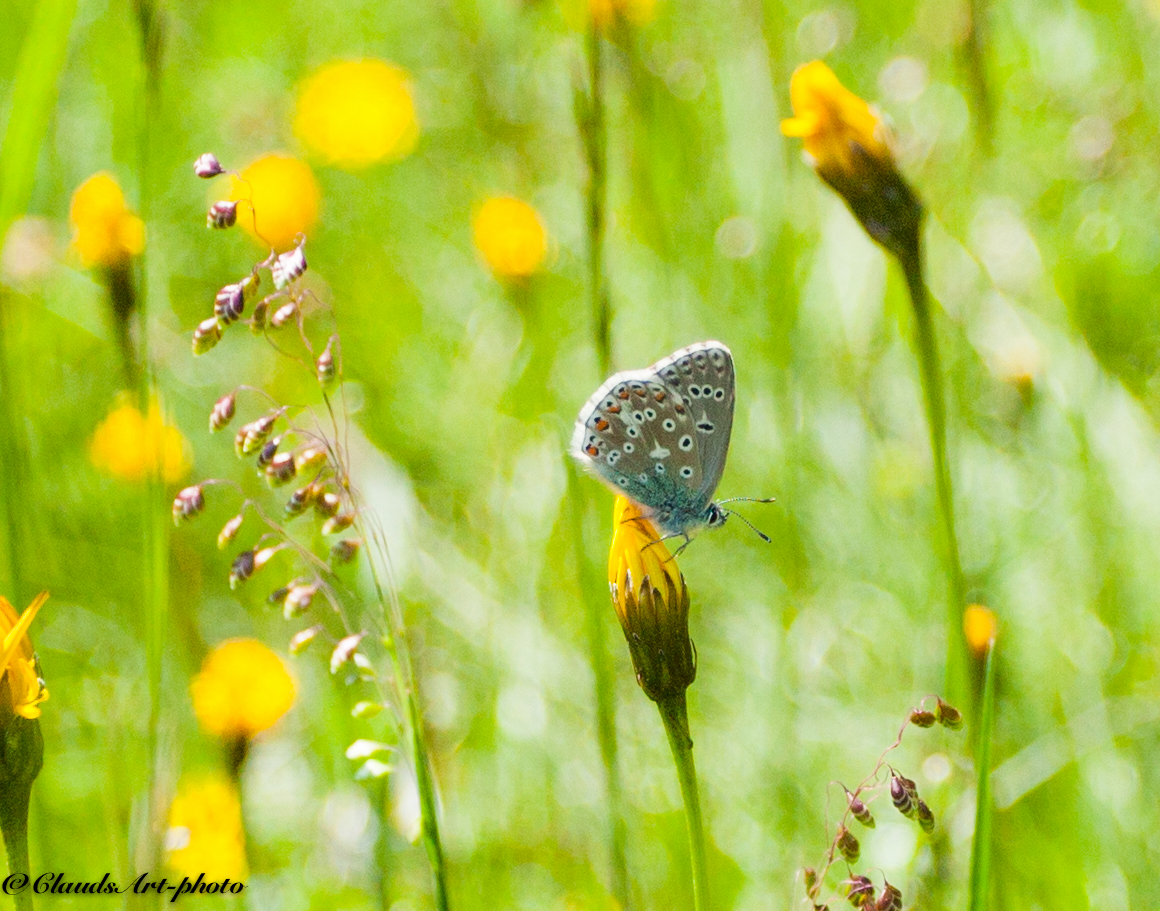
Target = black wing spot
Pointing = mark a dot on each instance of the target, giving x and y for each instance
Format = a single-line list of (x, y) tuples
[(686, 443)]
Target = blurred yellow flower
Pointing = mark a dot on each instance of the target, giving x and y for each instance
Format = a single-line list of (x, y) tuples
[(652, 603), (242, 689), (836, 126), (21, 689), (281, 194), (980, 626), (635, 12), (130, 445), (205, 831), (105, 232), (357, 112), (510, 236)]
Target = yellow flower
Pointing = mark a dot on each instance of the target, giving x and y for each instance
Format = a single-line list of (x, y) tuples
[(635, 12), (355, 113), (205, 831), (105, 232), (21, 689), (652, 603), (980, 626), (242, 689), (283, 196), (510, 236), (837, 127), (130, 445)]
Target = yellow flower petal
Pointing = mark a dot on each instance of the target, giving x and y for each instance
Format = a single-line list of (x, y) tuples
[(355, 113), (510, 236), (243, 688), (205, 831), (281, 193), (105, 232), (20, 688), (130, 445)]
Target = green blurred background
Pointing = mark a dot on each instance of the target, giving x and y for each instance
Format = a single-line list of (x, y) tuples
[(1043, 255)]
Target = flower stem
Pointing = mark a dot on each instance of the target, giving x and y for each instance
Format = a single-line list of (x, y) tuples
[(592, 133), (16, 844), (675, 715), (935, 402)]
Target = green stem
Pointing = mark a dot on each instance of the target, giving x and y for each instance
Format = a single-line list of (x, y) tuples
[(404, 676), (976, 53), (16, 844), (935, 401), (984, 808), (592, 132), (675, 715)]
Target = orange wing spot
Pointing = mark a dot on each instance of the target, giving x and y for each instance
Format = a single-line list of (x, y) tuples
[(623, 394), (679, 409), (592, 451), (601, 425), (659, 396), (613, 409)]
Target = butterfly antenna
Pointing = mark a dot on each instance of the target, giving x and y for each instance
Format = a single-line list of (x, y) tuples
[(749, 500), (764, 537)]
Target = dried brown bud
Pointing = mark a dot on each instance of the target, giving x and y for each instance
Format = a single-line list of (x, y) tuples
[(903, 793), (229, 530), (207, 165), (188, 503), (345, 550), (889, 899), (223, 412), (299, 641), (258, 320), (242, 568), (288, 267), (925, 817), (298, 600), (340, 522), (859, 810), (283, 315), (948, 716), (207, 334), (222, 214), (280, 470), (859, 890), (848, 845), (324, 367), (922, 719)]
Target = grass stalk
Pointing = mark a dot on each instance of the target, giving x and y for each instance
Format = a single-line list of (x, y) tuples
[(934, 399), (675, 715), (394, 640), (590, 120), (16, 846), (980, 885)]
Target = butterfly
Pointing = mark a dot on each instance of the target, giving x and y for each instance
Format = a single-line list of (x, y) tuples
[(660, 435)]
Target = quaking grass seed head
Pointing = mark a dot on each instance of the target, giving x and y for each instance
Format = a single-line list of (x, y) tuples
[(848, 845), (267, 452), (188, 503), (288, 267), (922, 719), (223, 412), (222, 214), (327, 504), (345, 550), (301, 500), (903, 793), (280, 470), (889, 899), (948, 716), (925, 817), (207, 334), (229, 304), (284, 314), (301, 640), (325, 368), (859, 810), (859, 891), (242, 568), (207, 166), (298, 600), (306, 460), (229, 531), (337, 523)]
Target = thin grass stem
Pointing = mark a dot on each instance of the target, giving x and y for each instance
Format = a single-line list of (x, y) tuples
[(980, 888), (675, 715)]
